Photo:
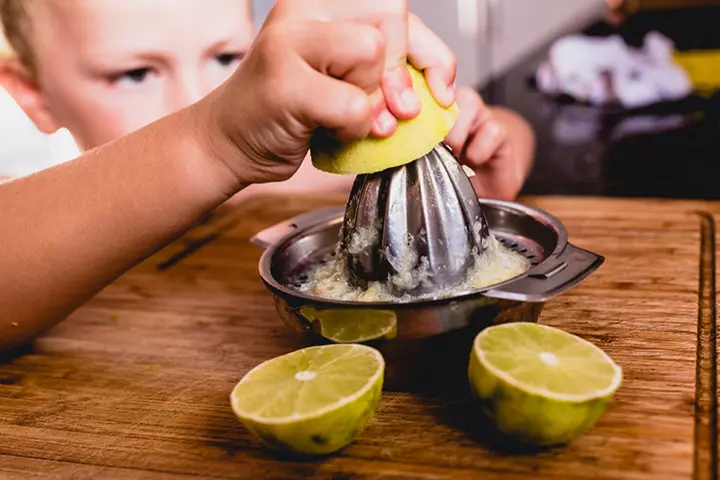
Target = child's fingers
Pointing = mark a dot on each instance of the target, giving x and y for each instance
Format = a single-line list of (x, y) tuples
[(396, 98), (484, 144), (471, 106), (394, 27), (345, 50), (429, 53), (354, 53), (346, 109), (322, 72), (384, 122), (391, 18), (499, 179), (401, 100)]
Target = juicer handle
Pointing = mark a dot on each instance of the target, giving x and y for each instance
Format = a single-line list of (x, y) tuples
[(277, 232), (552, 277)]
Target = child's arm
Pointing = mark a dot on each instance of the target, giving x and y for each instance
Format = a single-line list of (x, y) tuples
[(67, 231)]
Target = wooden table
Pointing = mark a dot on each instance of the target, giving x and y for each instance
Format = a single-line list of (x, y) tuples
[(135, 384)]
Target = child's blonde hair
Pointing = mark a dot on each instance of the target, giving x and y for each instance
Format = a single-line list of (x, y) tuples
[(16, 29)]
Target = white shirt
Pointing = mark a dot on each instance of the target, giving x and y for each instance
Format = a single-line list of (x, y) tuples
[(23, 148)]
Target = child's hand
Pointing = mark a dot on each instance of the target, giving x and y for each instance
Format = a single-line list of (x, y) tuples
[(480, 140), (321, 64)]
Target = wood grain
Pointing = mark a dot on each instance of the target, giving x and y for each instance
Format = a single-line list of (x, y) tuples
[(135, 384), (706, 387)]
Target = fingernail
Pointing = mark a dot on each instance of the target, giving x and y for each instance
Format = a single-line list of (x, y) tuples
[(444, 94), (409, 101), (384, 122), (468, 171)]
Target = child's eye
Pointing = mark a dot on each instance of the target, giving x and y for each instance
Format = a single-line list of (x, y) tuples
[(226, 59), (134, 76)]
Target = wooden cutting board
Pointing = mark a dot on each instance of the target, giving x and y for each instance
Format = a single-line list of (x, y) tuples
[(135, 384)]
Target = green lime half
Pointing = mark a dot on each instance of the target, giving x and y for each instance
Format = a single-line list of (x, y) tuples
[(353, 325), (311, 401), (540, 385)]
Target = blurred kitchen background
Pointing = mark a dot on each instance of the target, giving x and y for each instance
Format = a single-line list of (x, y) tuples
[(614, 113)]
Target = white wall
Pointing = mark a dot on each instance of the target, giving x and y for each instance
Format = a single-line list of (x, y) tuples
[(489, 36), (520, 26)]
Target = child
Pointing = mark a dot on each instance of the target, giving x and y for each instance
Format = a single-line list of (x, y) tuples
[(102, 69), (67, 231)]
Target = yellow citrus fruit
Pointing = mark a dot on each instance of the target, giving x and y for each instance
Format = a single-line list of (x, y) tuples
[(412, 139)]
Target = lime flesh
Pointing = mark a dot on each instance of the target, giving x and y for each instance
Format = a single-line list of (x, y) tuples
[(353, 325), (540, 385), (311, 401)]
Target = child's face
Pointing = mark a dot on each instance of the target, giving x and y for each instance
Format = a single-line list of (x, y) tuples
[(108, 67)]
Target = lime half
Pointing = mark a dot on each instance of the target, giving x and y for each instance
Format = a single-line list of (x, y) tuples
[(353, 325), (540, 385), (311, 401)]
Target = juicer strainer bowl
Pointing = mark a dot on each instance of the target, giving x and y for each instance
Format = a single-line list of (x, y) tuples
[(414, 334)]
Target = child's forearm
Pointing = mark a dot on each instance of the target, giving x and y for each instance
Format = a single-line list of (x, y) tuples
[(68, 231)]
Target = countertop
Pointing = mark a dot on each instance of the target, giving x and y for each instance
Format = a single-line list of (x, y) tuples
[(135, 384)]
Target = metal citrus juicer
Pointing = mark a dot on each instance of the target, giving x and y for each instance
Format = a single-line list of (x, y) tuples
[(419, 227)]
